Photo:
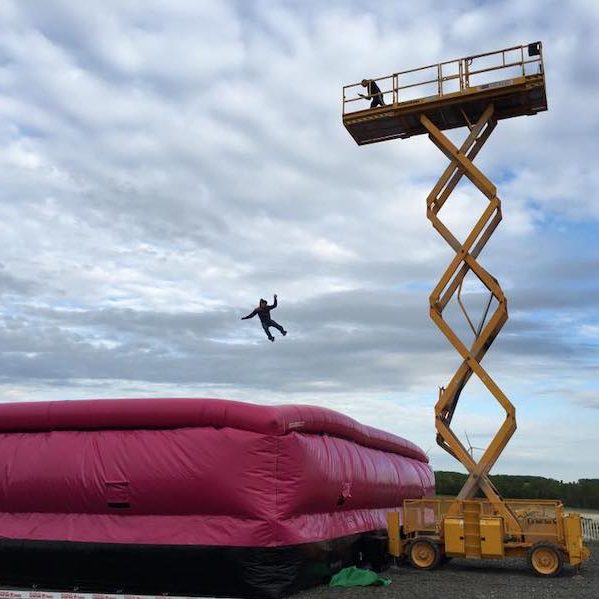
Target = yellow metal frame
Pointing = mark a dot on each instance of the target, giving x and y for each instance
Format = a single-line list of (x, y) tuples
[(468, 73), (452, 94), (465, 261), (474, 528), (536, 520), (466, 525)]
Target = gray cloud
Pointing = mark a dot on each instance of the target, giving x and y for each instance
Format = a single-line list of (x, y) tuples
[(163, 167)]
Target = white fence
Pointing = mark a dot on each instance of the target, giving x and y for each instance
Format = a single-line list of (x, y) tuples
[(590, 528)]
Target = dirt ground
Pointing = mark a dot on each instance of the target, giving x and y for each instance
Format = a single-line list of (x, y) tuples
[(468, 579)]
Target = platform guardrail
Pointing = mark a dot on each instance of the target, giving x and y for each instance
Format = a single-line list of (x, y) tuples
[(451, 76)]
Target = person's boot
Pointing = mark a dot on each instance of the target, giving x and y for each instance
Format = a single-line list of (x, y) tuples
[(271, 338), (284, 333)]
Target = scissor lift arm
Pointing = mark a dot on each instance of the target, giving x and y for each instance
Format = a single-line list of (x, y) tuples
[(465, 261), (467, 526)]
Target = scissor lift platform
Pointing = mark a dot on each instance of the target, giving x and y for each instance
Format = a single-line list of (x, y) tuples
[(512, 79)]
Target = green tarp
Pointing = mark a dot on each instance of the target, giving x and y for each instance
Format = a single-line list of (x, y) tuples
[(357, 577)]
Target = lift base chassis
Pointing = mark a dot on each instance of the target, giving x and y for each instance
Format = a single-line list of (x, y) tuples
[(436, 529)]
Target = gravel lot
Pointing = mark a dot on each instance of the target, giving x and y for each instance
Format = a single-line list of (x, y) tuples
[(469, 579)]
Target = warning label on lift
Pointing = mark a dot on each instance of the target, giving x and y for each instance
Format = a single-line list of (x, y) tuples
[(495, 84)]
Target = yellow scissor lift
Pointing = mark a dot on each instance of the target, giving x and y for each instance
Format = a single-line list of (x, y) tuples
[(473, 92)]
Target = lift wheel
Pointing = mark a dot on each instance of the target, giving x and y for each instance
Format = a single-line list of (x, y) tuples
[(545, 559), (424, 554)]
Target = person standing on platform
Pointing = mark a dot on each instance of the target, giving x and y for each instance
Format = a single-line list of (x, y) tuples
[(374, 93), (263, 311)]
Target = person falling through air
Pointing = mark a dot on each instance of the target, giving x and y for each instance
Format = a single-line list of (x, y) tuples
[(263, 311)]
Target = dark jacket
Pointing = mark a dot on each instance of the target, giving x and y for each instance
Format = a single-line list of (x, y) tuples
[(374, 89), (263, 313)]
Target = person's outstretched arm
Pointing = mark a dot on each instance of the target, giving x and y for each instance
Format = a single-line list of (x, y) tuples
[(274, 305), (250, 315)]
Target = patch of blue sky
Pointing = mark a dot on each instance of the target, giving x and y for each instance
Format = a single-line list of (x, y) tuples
[(502, 176), (29, 131), (562, 221), (69, 305), (414, 285)]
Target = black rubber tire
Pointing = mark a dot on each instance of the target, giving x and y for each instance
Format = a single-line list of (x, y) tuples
[(549, 549)]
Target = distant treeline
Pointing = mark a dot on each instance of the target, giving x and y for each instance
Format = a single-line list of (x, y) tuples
[(582, 494)]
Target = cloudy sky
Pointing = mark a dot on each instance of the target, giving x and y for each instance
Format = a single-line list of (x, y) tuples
[(165, 164)]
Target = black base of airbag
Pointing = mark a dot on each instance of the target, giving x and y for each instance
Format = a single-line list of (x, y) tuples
[(180, 570)]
